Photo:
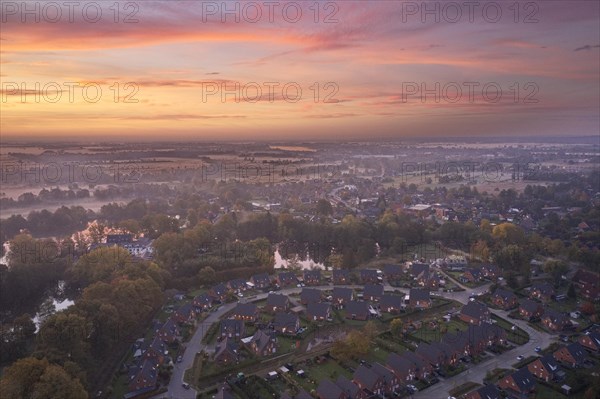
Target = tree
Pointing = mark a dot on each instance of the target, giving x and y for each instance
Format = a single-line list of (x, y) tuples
[(480, 250), (324, 207), (38, 379), (396, 326), (556, 268), (512, 258), (571, 291), (370, 330), (207, 276), (508, 233), (24, 326)]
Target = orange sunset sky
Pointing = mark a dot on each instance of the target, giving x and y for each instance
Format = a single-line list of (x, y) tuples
[(161, 67)]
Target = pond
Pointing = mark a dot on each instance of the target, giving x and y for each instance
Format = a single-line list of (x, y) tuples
[(52, 304), (296, 262)]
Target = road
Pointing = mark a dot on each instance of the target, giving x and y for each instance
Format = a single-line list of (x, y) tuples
[(505, 360)]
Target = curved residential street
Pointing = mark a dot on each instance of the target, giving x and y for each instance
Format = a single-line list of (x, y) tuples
[(439, 390)]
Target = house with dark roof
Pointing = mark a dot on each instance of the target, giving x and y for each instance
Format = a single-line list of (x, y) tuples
[(226, 352), (245, 311), (203, 302), (390, 381), (238, 284), (310, 295), (341, 277), (302, 394), (392, 272), (263, 343), (230, 328), (504, 299), (327, 389), (286, 323), (185, 314), (261, 281), (530, 310), (591, 341), (312, 277), (485, 392), (318, 311), (572, 355), (368, 380), (277, 303), (350, 388), (372, 292), (520, 382), (554, 321), (144, 379), (357, 310), (403, 368), (583, 276), (417, 269), (342, 295), (475, 313), (169, 331), (224, 392), (590, 290), (287, 279), (490, 272), (391, 303), (219, 292), (157, 349), (419, 299), (369, 276), (545, 368), (433, 354), (422, 367), (471, 275), (542, 291)]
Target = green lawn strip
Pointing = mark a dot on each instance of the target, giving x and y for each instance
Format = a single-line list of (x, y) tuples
[(546, 392), (525, 362), (463, 388), (496, 374), (518, 336)]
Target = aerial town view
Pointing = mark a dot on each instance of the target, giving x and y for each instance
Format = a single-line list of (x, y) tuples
[(299, 199)]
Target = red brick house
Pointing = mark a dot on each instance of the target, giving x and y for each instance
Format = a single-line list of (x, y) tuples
[(529, 309), (366, 378), (504, 299), (419, 299), (521, 382), (591, 341), (475, 313), (544, 368), (554, 320), (542, 291), (573, 355)]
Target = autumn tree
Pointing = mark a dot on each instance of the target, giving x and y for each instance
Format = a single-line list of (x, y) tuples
[(396, 327), (31, 378)]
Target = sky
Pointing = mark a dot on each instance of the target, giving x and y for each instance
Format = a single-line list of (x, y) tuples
[(304, 70)]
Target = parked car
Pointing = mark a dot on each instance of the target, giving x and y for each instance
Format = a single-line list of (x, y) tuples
[(520, 357), (538, 349), (185, 385)]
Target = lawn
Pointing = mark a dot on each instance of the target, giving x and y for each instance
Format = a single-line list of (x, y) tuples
[(429, 334), (328, 370), (464, 388), (545, 392), (518, 336)]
